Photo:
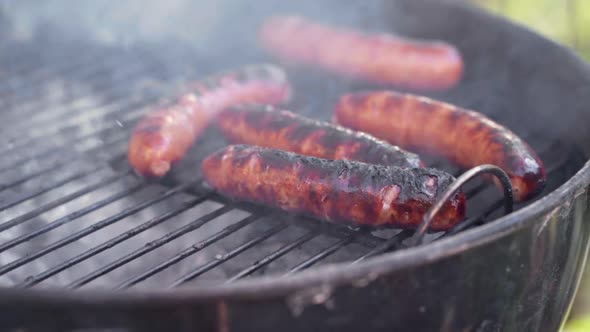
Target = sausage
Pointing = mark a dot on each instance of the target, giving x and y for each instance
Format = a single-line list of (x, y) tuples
[(338, 191), (465, 137), (378, 57), (163, 137), (284, 130)]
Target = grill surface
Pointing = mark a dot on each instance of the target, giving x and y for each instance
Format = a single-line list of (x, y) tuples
[(72, 213)]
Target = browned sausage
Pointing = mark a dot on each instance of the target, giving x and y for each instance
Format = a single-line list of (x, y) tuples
[(378, 58), (466, 137), (164, 136), (284, 130), (338, 191)]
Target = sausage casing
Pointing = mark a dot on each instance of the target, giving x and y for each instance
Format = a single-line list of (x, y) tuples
[(164, 136), (378, 58), (285, 130), (465, 137), (338, 191)]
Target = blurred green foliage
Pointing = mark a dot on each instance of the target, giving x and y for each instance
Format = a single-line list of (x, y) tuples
[(566, 21), (578, 325)]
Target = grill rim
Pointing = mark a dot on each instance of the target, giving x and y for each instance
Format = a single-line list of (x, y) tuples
[(337, 274)]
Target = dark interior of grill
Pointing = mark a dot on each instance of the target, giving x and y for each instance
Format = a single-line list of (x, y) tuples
[(73, 214)]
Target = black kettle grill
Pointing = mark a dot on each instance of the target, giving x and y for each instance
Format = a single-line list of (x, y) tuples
[(87, 245)]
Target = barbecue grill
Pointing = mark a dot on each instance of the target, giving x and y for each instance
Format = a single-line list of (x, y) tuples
[(86, 244)]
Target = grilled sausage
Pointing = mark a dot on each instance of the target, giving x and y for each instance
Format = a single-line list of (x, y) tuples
[(338, 191), (465, 137), (378, 58), (164, 136), (284, 130)]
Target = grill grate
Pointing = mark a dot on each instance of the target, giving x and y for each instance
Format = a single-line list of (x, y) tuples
[(72, 214)]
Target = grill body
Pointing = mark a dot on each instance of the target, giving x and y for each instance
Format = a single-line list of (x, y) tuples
[(517, 273)]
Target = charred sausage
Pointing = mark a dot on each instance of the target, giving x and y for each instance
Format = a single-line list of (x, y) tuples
[(378, 58), (338, 191), (465, 137), (163, 137), (284, 130)]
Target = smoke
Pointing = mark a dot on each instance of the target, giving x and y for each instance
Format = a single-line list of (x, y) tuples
[(116, 22), (196, 23)]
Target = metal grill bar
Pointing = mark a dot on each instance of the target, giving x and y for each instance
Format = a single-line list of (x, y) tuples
[(46, 188), (62, 200), (233, 253), (93, 228), (48, 152), (66, 219), (17, 126), (274, 256), (64, 152), (392, 243), (474, 220), (88, 74), (60, 128), (113, 242), (364, 238), (55, 165), (23, 113), (189, 251), (152, 245), (320, 255)]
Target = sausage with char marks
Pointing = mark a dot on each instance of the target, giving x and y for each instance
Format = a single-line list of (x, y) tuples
[(338, 191), (465, 137), (284, 130)]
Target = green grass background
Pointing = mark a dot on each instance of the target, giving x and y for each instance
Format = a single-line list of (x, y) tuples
[(566, 21)]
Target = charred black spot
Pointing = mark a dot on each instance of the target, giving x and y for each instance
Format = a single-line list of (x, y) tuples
[(498, 140), (240, 160), (332, 138), (277, 159), (313, 195), (456, 117), (479, 127), (298, 132)]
